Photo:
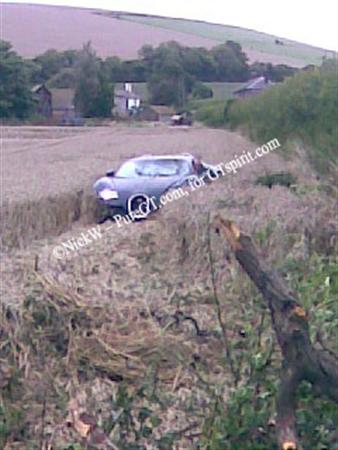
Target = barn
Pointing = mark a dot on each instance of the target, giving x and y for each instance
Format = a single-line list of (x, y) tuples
[(63, 103), (54, 104), (43, 99), (254, 87)]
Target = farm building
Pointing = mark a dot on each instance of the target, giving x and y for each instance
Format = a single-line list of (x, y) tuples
[(43, 98), (254, 87), (55, 104), (63, 103), (164, 112), (126, 102), (64, 111)]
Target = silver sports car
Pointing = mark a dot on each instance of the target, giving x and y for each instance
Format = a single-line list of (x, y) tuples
[(140, 179)]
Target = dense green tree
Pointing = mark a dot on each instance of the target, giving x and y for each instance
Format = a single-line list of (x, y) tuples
[(121, 71), (274, 73), (201, 91), (135, 71), (114, 69), (164, 90), (200, 64), (169, 83), (104, 100), (147, 54), (173, 67), (33, 71), (52, 62), (15, 95), (70, 57), (231, 62), (65, 78), (93, 91)]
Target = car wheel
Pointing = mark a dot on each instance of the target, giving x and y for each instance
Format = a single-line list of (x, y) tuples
[(103, 213), (139, 207)]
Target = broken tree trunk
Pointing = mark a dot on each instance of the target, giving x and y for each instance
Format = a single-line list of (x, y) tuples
[(301, 361)]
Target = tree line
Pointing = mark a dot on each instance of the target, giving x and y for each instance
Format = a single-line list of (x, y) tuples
[(172, 72)]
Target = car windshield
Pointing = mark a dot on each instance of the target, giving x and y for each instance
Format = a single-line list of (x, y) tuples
[(153, 168)]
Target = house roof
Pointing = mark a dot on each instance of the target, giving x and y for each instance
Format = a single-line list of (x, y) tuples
[(35, 89), (126, 94), (256, 84), (62, 98)]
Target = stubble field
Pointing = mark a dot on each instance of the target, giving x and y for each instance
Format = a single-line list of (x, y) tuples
[(48, 174), (131, 322)]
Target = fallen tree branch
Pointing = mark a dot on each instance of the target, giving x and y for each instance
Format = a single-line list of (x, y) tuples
[(301, 361), (219, 309)]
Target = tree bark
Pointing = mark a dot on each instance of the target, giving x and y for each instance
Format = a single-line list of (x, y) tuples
[(301, 360)]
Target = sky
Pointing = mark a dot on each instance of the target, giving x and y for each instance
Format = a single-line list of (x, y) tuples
[(312, 22)]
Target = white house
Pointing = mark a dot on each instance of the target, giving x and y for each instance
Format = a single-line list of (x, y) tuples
[(126, 101)]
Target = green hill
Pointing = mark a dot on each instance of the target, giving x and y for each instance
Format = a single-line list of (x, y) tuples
[(259, 46), (33, 29)]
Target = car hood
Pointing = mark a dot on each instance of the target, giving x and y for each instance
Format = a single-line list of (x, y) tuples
[(137, 185)]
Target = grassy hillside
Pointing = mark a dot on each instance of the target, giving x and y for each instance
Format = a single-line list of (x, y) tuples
[(31, 31), (259, 46)]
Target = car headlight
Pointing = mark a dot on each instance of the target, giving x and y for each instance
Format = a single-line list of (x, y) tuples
[(108, 194)]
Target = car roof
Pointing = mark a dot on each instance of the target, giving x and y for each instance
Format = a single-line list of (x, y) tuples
[(183, 156)]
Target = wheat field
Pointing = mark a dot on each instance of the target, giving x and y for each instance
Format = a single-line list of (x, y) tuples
[(136, 306)]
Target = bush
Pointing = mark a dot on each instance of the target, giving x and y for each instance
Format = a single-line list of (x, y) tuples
[(201, 91), (282, 178), (247, 420), (211, 113), (304, 108)]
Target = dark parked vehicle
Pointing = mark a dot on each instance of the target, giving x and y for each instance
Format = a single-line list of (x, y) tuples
[(140, 179), (182, 118)]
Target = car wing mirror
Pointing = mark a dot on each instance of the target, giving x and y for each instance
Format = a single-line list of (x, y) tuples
[(111, 173)]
